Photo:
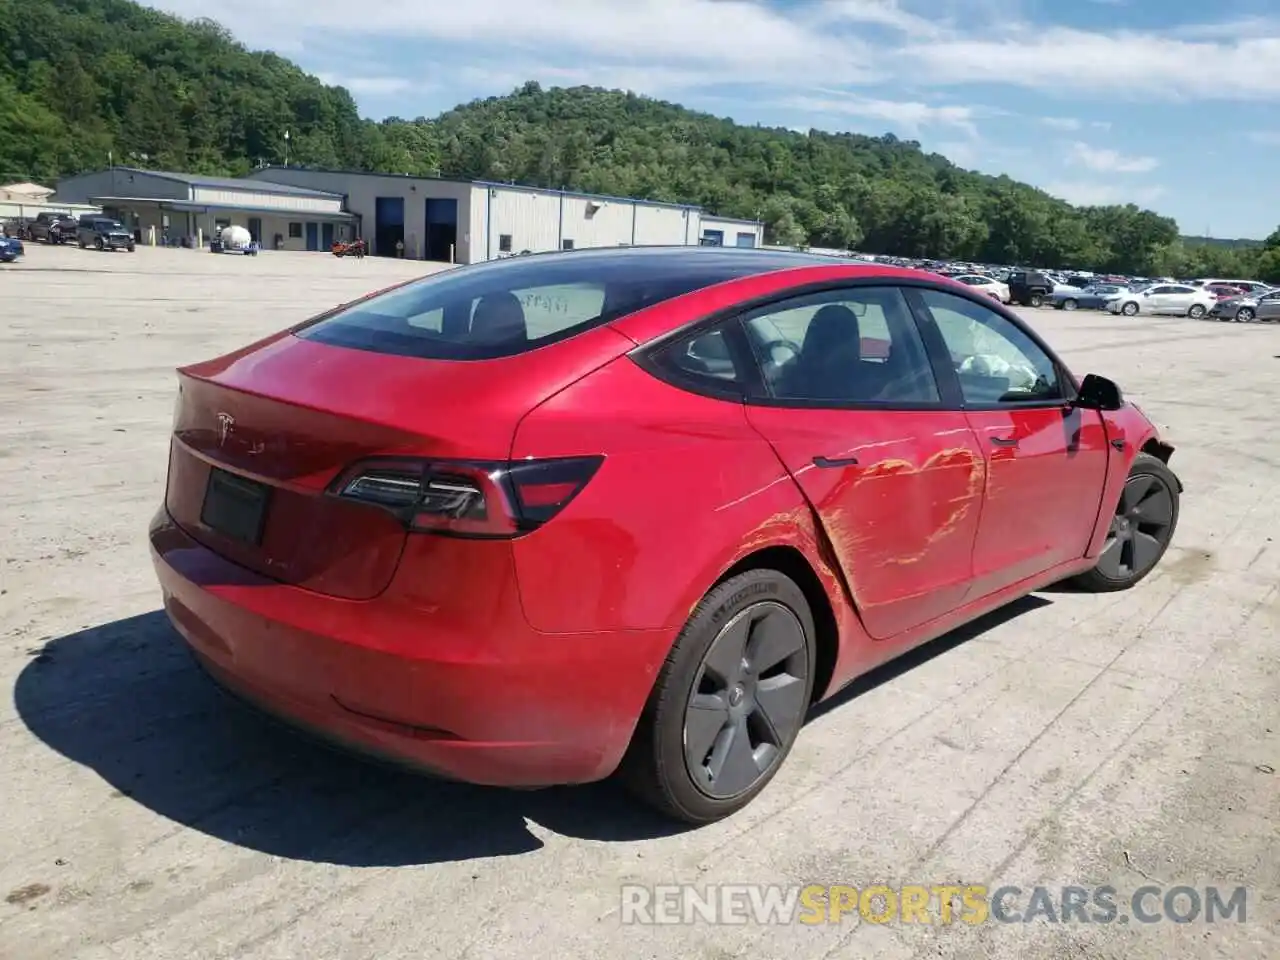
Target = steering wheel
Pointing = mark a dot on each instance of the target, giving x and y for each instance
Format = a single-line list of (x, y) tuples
[(769, 345)]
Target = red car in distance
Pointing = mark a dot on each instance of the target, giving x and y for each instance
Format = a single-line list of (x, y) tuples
[(535, 521)]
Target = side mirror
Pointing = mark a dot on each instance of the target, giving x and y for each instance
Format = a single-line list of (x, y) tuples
[(1098, 393)]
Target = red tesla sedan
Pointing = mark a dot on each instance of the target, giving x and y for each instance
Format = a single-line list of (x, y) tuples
[(537, 520)]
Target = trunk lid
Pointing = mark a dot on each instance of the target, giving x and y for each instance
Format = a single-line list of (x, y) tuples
[(259, 435)]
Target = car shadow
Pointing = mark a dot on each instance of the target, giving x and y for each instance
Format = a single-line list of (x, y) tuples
[(126, 700), (929, 651)]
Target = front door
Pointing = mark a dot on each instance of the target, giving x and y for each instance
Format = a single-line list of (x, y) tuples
[(255, 229), (1269, 307), (313, 237), (852, 409), (1046, 460), (326, 242)]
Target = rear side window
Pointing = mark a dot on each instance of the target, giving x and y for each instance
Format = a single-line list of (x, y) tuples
[(703, 361), (510, 306)]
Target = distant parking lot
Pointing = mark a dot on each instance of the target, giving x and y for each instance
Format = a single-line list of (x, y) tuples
[(1118, 740)]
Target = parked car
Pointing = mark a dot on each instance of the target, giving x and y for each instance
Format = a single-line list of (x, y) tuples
[(1225, 291), (988, 285), (1095, 297), (501, 585), (52, 227), (1029, 287), (1249, 286), (11, 249), (1263, 306), (1165, 298), (103, 233)]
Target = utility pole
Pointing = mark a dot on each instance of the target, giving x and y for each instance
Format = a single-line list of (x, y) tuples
[(286, 148)]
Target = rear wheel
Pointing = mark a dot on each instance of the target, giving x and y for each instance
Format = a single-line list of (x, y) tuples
[(1244, 315), (1196, 311), (1142, 526), (729, 701), (1069, 304), (1035, 300)]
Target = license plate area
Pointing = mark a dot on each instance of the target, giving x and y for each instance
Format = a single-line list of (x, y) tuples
[(235, 507)]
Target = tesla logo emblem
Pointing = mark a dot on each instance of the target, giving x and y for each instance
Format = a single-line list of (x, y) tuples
[(225, 423)]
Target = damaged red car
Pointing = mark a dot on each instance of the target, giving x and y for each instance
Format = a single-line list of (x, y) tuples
[(549, 518)]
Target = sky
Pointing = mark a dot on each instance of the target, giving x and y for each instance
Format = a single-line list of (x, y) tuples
[(1170, 104)]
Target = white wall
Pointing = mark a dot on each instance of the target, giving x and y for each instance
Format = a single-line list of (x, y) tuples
[(596, 223), (275, 201), (665, 226), (531, 220), (362, 191)]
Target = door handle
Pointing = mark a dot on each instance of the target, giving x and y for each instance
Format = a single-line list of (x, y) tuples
[(835, 461), (1005, 441)]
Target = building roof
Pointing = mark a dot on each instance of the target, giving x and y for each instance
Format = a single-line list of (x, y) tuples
[(27, 189), (231, 183)]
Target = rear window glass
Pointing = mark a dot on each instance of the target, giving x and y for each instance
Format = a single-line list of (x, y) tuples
[(510, 306)]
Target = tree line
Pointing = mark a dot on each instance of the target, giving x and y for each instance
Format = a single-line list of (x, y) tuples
[(85, 80)]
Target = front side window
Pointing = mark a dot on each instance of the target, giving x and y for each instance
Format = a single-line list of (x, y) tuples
[(851, 346), (994, 359)]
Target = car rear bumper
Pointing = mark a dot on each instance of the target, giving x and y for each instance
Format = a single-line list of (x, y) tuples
[(512, 707)]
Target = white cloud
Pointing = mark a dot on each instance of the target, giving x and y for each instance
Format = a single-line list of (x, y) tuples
[(666, 46), (370, 86), (1103, 160), (1117, 64), (905, 115), (1268, 138), (1062, 123), (1091, 193)]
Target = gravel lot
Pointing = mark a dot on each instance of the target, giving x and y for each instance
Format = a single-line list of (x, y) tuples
[(1070, 740)]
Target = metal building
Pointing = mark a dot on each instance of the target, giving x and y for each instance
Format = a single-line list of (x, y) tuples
[(156, 203), (463, 221), (424, 218), (730, 232)]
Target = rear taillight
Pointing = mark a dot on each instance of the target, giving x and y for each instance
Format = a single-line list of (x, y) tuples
[(468, 497)]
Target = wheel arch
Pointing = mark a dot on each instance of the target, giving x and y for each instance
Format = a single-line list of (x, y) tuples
[(788, 560)]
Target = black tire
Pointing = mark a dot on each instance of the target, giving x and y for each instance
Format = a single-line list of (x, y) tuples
[(1130, 309), (132, 247), (1244, 315), (98, 244), (1069, 304), (1196, 311), (1035, 300), (1159, 482), (656, 767)]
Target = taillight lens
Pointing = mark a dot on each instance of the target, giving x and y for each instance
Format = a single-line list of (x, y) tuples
[(468, 497)]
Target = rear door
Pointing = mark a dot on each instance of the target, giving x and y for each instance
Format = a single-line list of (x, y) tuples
[(1046, 460), (849, 401)]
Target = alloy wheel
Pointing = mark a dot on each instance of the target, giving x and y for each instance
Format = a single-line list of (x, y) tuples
[(748, 700), (1140, 529)]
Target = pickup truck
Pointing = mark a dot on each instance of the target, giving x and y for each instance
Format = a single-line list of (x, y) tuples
[(52, 228)]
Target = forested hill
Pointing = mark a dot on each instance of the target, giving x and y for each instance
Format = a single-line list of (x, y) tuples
[(81, 80)]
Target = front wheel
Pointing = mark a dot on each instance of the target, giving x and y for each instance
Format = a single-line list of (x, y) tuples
[(729, 702), (1035, 300), (1069, 304), (99, 245), (1145, 518), (1130, 309)]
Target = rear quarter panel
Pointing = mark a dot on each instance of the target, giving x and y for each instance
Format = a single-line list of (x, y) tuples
[(686, 490)]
